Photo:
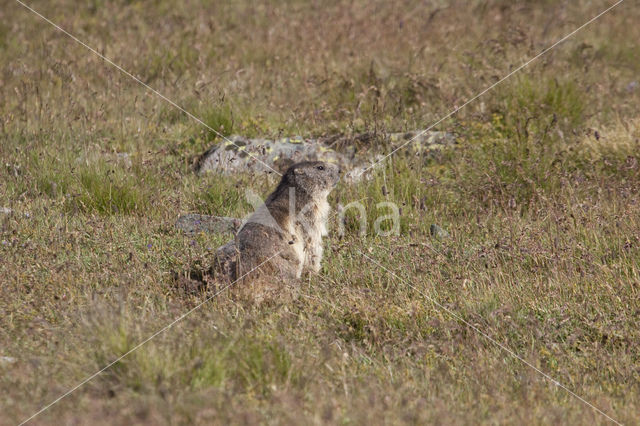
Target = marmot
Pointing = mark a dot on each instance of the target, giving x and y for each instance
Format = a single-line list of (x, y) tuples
[(290, 223)]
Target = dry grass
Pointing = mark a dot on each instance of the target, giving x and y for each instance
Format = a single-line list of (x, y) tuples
[(540, 196)]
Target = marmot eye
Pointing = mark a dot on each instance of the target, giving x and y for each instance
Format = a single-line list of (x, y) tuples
[(320, 167)]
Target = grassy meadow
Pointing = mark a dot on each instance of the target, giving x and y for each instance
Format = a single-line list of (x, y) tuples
[(540, 197)]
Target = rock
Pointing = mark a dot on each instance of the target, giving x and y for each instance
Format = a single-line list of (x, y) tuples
[(125, 159), (7, 360), (438, 232), (357, 174), (194, 223), (259, 155), (422, 141), (251, 155)]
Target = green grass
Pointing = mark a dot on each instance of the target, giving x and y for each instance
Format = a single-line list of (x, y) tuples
[(108, 193), (219, 119), (539, 196)]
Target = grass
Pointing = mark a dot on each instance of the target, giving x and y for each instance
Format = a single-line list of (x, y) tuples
[(219, 119), (540, 197)]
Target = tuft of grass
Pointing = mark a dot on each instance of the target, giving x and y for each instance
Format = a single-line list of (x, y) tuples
[(108, 191), (219, 118), (529, 102)]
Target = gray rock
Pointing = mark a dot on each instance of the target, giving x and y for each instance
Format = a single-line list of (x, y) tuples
[(423, 141), (125, 159), (194, 223), (438, 232), (7, 360), (251, 155), (259, 155)]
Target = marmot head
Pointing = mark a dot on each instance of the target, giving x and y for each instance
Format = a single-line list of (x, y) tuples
[(316, 178)]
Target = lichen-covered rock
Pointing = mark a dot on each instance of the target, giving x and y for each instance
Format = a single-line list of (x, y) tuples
[(258, 155), (438, 232), (239, 154)]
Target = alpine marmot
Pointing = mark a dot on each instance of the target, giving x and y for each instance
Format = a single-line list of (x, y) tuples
[(290, 225)]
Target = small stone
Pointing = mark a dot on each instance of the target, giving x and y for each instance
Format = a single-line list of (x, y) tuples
[(357, 174), (7, 360), (125, 159), (438, 232)]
